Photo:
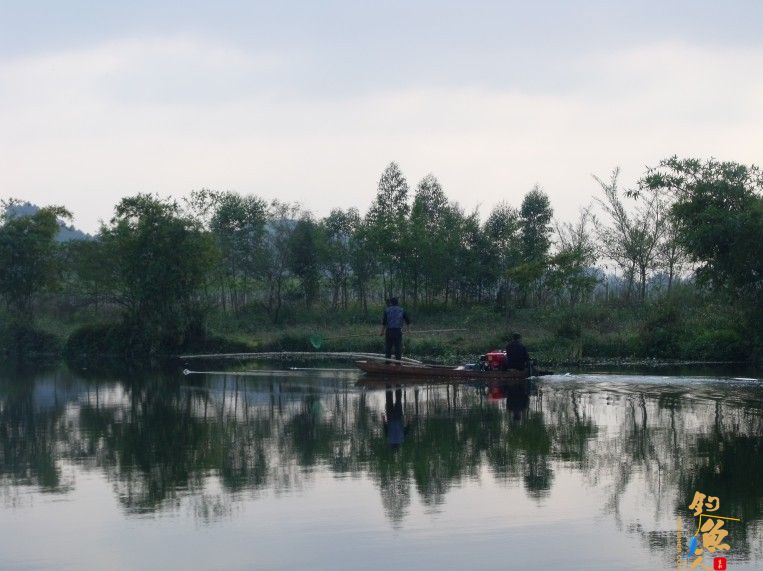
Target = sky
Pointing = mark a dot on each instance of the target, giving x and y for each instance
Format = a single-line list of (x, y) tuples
[(309, 101)]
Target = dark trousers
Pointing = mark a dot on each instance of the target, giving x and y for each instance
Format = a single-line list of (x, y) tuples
[(393, 343)]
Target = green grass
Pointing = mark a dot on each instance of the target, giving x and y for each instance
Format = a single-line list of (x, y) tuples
[(676, 330), (483, 330), (591, 333)]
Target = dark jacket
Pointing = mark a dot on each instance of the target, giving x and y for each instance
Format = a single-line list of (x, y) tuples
[(517, 356), (394, 316)]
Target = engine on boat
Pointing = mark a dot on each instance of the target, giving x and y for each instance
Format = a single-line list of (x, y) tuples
[(494, 360)]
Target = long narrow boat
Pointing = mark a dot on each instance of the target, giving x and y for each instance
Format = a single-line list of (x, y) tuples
[(418, 372)]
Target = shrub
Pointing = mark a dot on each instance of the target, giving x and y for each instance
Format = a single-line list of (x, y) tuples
[(661, 333), (722, 344), (19, 339), (122, 339)]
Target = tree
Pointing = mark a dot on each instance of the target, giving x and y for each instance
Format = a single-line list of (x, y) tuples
[(671, 255), (535, 225), (535, 216), (159, 259), (571, 268), (28, 261), (282, 217), (463, 241), (362, 260), (338, 229), (481, 264), (426, 238), (87, 260), (718, 211), (386, 220), (502, 233), (238, 226), (631, 240), (304, 253)]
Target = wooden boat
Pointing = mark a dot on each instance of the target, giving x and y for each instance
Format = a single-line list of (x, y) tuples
[(418, 373)]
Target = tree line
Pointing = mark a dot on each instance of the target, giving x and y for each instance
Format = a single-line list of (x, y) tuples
[(163, 265)]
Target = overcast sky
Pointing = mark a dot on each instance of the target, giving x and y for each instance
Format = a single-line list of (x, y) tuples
[(309, 101)]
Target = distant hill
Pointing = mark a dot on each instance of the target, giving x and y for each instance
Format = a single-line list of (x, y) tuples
[(66, 233)]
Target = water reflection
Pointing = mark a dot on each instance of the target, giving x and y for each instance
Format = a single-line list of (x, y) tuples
[(394, 427), (161, 439)]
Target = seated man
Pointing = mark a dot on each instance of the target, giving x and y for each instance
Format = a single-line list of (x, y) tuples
[(517, 356)]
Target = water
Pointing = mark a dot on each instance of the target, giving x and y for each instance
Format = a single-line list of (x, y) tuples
[(309, 470)]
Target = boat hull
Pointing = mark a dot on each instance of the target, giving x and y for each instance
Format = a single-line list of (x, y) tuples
[(413, 372)]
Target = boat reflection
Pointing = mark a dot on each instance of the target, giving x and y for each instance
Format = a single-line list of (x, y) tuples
[(516, 395), (159, 441)]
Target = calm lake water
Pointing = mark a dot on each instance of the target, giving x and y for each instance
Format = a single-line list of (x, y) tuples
[(310, 470)]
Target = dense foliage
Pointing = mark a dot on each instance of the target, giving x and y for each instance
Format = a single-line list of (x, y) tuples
[(27, 256), (156, 272)]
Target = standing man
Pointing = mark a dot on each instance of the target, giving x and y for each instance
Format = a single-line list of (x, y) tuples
[(392, 328)]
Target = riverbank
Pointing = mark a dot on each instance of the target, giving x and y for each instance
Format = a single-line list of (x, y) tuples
[(585, 335)]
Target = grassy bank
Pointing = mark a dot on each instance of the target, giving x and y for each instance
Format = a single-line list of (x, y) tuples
[(678, 330), (584, 334)]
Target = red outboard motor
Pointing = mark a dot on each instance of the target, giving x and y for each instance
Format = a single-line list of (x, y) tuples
[(495, 359)]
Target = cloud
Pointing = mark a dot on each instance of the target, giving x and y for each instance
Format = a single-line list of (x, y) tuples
[(86, 127)]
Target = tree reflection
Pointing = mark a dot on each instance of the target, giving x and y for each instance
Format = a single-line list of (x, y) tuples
[(31, 420), (159, 442), (726, 463)]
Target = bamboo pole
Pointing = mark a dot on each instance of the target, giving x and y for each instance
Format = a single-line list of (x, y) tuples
[(275, 354)]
